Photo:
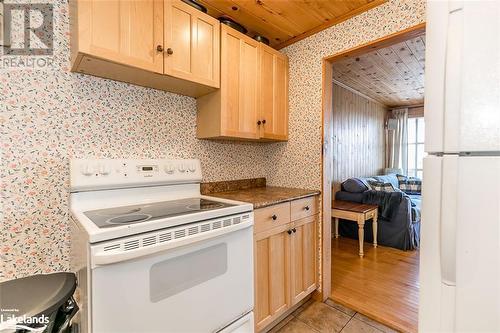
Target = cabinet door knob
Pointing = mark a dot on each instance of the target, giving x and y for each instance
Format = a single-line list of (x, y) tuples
[(274, 217), (294, 230), (289, 232), (307, 208), (263, 121), (159, 48), (170, 51), (259, 122)]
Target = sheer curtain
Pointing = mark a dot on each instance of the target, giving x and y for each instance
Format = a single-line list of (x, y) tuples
[(397, 140)]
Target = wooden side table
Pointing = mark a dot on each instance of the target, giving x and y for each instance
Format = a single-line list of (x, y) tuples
[(358, 213)]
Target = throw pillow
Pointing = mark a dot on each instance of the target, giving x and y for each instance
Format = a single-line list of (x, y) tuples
[(381, 186), (409, 185), (354, 185)]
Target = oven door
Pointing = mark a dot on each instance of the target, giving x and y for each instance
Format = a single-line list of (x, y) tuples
[(201, 286)]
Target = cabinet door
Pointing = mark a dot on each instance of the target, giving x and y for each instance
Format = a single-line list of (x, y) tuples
[(239, 84), (303, 258), (272, 274), (192, 44), (273, 94), (123, 31)]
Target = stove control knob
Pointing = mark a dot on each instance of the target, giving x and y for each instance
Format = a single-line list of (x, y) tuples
[(170, 169), (182, 167), (86, 170), (192, 167), (103, 169)]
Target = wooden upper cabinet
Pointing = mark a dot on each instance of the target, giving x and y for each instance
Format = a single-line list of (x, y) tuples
[(303, 258), (232, 111), (166, 45), (240, 64), (273, 94), (123, 31), (252, 103), (192, 46)]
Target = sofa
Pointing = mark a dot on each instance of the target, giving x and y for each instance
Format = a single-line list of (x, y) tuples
[(398, 199)]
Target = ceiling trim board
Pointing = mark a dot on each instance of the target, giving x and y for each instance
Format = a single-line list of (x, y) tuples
[(388, 40), (416, 112), (331, 23), (354, 91)]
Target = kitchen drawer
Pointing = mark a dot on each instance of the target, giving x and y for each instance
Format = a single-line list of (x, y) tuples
[(272, 216), (304, 207)]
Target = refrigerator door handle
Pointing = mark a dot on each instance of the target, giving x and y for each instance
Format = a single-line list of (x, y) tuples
[(453, 79), (435, 63), (448, 233)]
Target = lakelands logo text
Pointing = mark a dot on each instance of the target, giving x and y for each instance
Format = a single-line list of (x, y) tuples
[(11, 322), (26, 35)]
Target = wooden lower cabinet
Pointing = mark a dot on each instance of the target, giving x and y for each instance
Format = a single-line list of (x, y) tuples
[(303, 248), (285, 265), (272, 275)]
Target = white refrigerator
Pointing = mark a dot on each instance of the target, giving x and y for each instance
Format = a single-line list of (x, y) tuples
[(460, 230)]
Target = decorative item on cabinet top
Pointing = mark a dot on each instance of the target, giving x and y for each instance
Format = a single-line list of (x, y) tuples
[(167, 45), (261, 39), (233, 24), (196, 5), (252, 102)]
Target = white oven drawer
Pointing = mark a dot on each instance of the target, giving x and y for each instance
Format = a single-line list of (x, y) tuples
[(197, 287)]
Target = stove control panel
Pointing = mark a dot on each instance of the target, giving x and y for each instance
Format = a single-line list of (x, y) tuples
[(94, 174)]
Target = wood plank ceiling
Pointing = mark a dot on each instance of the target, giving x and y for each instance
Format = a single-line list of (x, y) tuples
[(393, 76), (285, 22)]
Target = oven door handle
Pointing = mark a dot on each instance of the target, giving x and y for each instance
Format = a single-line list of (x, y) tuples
[(101, 258)]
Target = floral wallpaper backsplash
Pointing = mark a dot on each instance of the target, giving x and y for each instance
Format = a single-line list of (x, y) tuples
[(49, 116)]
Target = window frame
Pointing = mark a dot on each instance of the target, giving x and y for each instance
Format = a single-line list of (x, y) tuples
[(415, 144)]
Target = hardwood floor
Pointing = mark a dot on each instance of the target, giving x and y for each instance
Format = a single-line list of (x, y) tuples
[(383, 285)]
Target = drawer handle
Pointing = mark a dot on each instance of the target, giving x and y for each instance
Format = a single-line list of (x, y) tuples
[(294, 230), (289, 232), (307, 207), (274, 217)]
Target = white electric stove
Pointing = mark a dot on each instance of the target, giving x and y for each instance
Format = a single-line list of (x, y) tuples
[(153, 255)]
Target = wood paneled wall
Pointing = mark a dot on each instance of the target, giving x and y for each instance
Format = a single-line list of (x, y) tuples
[(358, 136)]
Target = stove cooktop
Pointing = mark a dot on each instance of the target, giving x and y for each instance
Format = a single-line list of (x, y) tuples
[(118, 216)]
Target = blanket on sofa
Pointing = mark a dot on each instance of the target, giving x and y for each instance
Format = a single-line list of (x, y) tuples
[(398, 223), (387, 203)]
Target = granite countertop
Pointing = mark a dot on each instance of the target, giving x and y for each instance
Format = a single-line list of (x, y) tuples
[(259, 194)]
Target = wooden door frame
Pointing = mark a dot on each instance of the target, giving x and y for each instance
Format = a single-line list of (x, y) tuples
[(327, 134)]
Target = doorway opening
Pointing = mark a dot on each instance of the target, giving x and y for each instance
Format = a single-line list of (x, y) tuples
[(373, 137)]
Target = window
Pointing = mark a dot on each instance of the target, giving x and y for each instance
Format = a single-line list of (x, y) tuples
[(416, 154)]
